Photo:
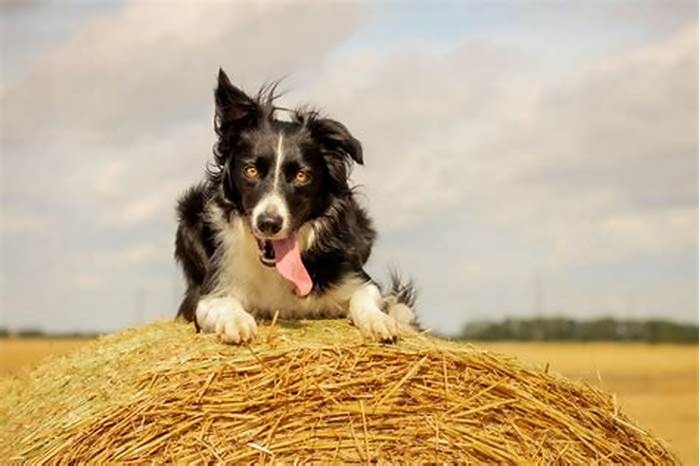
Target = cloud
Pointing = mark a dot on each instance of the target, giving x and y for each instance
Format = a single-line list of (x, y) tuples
[(17, 222), (131, 255), (151, 64), (488, 169), (109, 125), (106, 178), (477, 161), (617, 133)]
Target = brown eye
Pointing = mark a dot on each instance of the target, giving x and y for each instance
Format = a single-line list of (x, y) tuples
[(302, 177), (250, 172)]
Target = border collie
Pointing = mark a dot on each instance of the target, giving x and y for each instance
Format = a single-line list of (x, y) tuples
[(275, 227)]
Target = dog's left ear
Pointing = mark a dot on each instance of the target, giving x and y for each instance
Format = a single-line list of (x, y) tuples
[(234, 108), (335, 137)]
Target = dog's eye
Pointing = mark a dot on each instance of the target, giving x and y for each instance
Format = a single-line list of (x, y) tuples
[(302, 177), (251, 172)]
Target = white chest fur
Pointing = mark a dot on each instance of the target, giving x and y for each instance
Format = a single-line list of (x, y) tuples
[(262, 290)]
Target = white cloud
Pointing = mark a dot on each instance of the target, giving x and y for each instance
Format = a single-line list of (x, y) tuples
[(493, 166), (517, 148), (484, 168), (16, 222), (150, 63), (132, 255), (106, 179), (111, 124), (85, 282), (140, 210)]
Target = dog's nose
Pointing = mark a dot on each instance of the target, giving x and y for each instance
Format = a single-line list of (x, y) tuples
[(269, 224)]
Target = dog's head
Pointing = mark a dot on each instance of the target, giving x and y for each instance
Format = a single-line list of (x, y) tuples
[(279, 174)]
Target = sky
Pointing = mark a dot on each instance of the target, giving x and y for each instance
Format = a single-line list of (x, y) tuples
[(522, 158)]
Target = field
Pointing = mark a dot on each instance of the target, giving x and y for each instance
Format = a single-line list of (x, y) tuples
[(18, 355), (656, 384)]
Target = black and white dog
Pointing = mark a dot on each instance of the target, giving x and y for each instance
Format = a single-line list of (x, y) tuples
[(276, 228)]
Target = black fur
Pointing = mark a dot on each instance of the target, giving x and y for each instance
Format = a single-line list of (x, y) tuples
[(404, 292), (323, 147)]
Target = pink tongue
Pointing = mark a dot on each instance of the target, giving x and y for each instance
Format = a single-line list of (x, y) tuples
[(289, 265)]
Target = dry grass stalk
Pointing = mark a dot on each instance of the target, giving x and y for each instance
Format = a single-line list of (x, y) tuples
[(315, 392)]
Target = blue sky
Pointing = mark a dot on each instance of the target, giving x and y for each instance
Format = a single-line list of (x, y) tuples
[(522, 157)]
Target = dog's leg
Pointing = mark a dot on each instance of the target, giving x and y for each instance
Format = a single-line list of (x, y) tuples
[(403, 314), (366, 314), (188, 307), (190, 249), (226, 317)]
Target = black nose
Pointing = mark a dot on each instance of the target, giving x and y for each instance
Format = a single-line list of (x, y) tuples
[(269, 223)]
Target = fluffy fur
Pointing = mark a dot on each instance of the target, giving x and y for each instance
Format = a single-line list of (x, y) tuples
[(273, 179)]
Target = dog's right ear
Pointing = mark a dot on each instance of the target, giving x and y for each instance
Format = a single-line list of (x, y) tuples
[(234, 108), (336, 138)]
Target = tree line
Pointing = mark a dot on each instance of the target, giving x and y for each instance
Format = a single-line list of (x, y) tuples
[(533, 329), (565, 329), (38, 333)]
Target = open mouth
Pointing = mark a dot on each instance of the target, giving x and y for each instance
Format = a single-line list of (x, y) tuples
[(267, 252), (284, 254)]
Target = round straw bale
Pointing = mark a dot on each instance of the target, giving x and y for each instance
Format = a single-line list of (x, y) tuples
[(308, 391)]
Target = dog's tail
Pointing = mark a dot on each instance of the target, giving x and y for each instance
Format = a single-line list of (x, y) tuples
[(399, 301)]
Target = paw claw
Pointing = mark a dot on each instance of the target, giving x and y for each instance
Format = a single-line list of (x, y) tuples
[(239, 328), (378, 326), (228, 321)]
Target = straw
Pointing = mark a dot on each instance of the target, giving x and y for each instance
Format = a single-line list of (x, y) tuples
[(311, 391)]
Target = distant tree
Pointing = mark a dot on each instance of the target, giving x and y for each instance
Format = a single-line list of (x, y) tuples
[(566, 329), (29, 333)]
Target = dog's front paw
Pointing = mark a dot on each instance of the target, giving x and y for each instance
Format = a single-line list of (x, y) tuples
[(405, 317), (237, 327), (365, 312), (377, 325), (227, 319)]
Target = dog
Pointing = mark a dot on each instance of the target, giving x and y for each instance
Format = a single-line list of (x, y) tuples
[(275, 226)]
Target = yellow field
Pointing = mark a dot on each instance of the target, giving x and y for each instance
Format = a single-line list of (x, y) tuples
[(18, 355), (655, 384)]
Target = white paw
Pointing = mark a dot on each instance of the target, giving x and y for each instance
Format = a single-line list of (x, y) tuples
[(227, 319), (376, 325), (237, 327), (404, 316), (367, 316)]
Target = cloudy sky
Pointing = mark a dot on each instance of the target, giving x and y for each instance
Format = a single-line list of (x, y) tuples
[(522, 158)]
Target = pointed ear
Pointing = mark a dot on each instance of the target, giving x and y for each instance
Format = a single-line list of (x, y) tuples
[(234, 108), (335, 137)]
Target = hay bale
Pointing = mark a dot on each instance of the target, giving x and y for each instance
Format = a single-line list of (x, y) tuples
[(315, 392)]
